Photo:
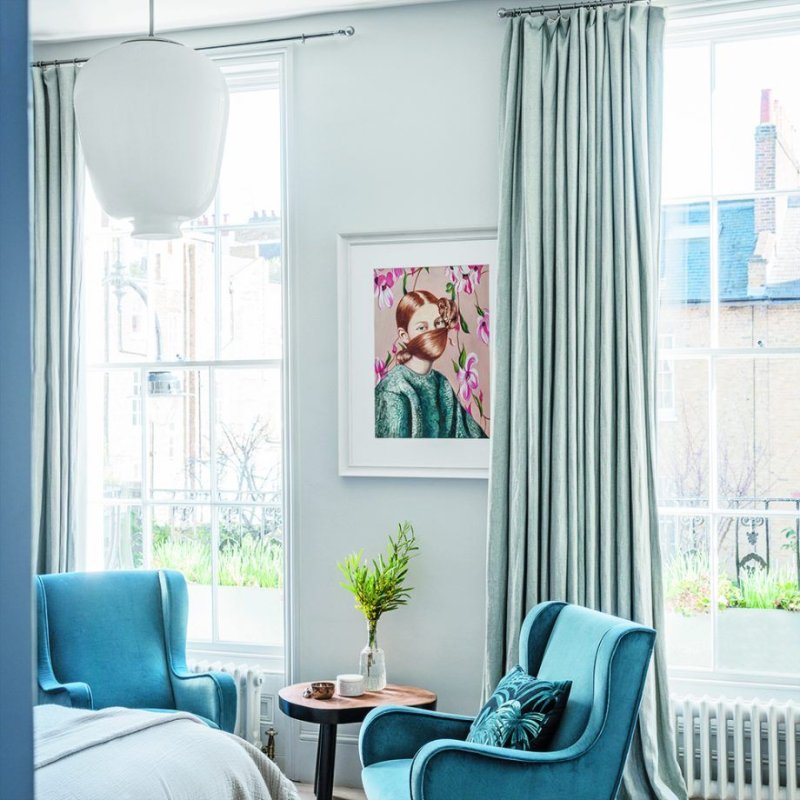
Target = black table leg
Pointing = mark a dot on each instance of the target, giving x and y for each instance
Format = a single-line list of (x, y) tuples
[(326, 759), (316, 768)]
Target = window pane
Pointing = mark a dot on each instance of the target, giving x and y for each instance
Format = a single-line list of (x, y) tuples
[(182, 540), (122, 537), (687, 590), (251, 303), (759, 430), (756, 110), (759, 567), (182, 287), (683, 453), (150, 301), (249, 455), (178, 438), (685, 275), (250, 182), (687, 134), (759, 272), (251, 575), (121, 431)]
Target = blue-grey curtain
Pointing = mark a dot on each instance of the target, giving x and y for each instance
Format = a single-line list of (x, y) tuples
[(57, 276), (572, 510)]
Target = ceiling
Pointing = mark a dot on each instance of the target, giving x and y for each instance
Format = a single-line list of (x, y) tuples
[(62, 20)]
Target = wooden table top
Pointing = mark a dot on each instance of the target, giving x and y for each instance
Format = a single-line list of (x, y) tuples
[(339, 710)]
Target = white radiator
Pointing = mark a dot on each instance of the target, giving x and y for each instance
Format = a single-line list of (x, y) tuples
[(248, 694), (722, 759)]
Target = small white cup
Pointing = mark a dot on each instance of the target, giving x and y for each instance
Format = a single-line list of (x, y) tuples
[(351, 685)]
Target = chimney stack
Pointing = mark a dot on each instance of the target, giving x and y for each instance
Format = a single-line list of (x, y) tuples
[(776, 165), (766, 102)]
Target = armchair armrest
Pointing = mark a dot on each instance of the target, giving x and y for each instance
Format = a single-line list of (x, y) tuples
[(209, 694), (446, 768), (71, 695), (398, 732)]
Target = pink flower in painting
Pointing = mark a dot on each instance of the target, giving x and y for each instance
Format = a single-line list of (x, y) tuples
[(477, 272), (461, 278), (483, 327), (384, 281), (468, 378), (381, 370)]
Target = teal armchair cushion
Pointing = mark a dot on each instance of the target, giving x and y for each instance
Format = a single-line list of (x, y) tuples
[(415, 755), (119, 639), (523, 712)]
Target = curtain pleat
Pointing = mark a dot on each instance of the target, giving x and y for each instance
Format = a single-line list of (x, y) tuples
[(572, 509), (57, 286)]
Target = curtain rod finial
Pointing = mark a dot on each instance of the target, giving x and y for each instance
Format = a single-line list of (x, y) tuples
[(349, 31), (501, 12)]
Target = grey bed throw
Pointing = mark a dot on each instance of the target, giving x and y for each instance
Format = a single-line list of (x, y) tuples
[(127, 754)]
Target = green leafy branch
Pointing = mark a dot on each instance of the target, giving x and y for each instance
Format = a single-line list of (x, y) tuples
[(379, 586)]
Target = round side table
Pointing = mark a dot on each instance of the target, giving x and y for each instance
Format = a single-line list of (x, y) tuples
[(338, 711)]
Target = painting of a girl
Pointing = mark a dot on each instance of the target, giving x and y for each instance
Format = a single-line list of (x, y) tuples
[(414, 399)]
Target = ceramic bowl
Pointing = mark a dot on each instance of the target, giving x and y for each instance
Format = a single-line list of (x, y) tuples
[(320, 690)]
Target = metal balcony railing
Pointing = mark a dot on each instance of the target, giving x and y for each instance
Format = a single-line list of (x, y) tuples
[(756, 537)]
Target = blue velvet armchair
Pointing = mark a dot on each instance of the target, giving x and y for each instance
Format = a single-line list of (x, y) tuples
[(423, 755), (119, 639)]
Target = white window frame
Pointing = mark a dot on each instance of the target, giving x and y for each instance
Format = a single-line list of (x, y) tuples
[(692, 24), (243, 71), (666, 379)]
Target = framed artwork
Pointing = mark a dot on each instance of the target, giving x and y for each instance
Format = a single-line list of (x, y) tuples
[(415, 324)]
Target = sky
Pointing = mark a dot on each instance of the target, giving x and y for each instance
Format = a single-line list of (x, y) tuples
[(741, 70)]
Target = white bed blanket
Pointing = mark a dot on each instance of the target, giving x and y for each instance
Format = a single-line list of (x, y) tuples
[(124, 754)]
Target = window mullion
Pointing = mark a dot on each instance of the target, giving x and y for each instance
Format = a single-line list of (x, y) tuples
[(146, 477), (212, 418), (212, 438), (713, 450)]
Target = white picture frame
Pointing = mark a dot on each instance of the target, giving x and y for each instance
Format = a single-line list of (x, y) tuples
[(361, 453)]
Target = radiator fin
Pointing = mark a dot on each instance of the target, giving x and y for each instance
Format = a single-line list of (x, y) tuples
[(736, 749)]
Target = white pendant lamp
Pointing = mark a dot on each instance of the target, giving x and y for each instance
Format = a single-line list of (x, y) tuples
[(152, 116)]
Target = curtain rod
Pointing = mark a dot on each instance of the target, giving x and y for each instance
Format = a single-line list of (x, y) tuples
[(302, 37), (518, 12)]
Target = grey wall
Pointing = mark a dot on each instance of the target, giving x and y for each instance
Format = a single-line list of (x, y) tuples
[(394, 129), (16, 686)]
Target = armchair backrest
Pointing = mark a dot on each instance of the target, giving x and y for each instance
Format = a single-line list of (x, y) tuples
[(605, 657), (113, 631)]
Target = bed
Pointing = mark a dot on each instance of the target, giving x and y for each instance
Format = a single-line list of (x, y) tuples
[(127, 754)]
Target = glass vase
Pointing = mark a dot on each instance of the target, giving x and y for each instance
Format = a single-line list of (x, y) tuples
[(373, 662)]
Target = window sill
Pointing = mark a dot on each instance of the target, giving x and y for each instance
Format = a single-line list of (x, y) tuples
[(267, 658), (747, 686)]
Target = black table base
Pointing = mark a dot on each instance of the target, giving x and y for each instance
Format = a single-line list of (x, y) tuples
[(326, 762)]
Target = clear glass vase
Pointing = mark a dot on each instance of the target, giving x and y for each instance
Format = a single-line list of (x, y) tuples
[(373, 662)]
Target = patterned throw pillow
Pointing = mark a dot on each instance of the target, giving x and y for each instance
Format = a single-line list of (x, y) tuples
[(522, 713)]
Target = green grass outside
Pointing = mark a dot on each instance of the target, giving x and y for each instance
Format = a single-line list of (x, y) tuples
[(244, 562)]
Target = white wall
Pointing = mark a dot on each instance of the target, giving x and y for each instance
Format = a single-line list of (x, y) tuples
[(394, 129)]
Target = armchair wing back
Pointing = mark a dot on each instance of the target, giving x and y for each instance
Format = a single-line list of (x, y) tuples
[(423, 755), (119, 639)]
